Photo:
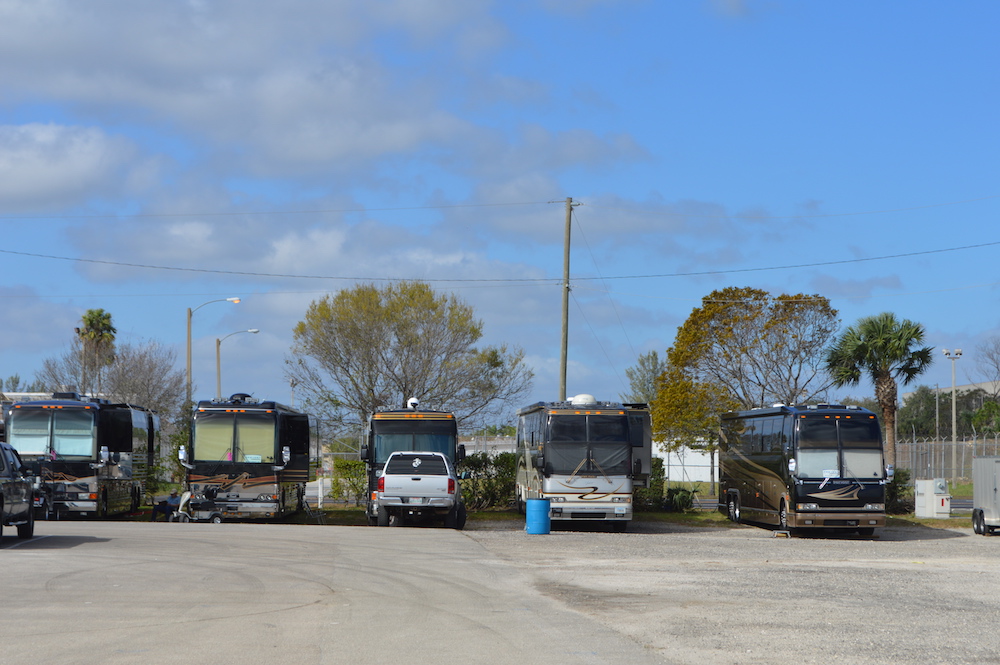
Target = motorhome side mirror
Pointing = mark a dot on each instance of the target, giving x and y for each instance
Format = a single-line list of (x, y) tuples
[(364, 453), (539, 461), (890, 471), (637, 467), (460, 453), (105, 455), (182, 454), (791, 467), (286, 455)]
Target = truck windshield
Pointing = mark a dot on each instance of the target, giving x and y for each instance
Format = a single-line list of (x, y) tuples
[(62, 433)]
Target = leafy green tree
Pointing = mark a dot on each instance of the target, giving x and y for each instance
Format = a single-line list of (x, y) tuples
[(742, 348), (369, 347), (643, 378), (883, 349), (757, 348), (987, 418), (920, 413)]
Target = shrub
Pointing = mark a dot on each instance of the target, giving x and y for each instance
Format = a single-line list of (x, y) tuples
[(491, 480), (899, 493)]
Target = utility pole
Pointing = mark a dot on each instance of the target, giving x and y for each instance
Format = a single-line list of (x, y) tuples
[(565, 302)]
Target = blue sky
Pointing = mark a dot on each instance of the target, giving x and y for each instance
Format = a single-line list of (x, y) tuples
[(158, 156)]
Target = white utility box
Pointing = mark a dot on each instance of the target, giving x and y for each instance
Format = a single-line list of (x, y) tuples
[(931, 498)]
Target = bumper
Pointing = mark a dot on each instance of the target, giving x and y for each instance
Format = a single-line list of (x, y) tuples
[(828, 520), (609, 512)]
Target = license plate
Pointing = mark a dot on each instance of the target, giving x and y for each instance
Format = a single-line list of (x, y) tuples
[(416, 499), (619, 510)]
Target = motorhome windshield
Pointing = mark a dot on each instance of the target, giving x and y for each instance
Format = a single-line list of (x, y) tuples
[(234, 437), (839, 448), (59, 432)]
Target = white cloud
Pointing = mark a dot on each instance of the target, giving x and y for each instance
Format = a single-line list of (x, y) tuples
[(43, 165)]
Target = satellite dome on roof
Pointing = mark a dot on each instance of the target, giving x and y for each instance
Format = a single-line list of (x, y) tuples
[(582, 398)]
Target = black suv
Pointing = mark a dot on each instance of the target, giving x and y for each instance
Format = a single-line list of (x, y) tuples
[(17, 497)]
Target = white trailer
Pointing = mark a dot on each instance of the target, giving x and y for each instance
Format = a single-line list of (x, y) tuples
[(985, 494)]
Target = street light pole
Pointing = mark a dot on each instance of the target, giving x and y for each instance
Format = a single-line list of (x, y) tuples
[(218, 359), (953, 356), (189, 313)]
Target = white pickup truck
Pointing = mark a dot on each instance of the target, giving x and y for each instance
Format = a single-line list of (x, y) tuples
[(416, 486)]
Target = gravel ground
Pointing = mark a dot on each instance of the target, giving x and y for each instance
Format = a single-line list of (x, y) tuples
[(742, 595)]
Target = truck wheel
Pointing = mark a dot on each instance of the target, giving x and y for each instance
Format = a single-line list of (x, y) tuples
[(460, 524), (27, 530), (383, 517), (396, 519), (977, 524)]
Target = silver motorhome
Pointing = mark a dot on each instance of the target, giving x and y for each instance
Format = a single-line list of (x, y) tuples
[(985, 494)]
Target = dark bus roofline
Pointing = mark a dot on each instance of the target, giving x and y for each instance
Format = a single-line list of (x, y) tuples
[(538, 406), (404, 413), (799, 409)]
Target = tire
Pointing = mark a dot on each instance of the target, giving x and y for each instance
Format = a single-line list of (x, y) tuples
[(25, 531), (216, 519), (451, 519), (383, 517), (396, 519), (977, 522), (183, 517), (462, 515), (102, 506), (783, 516), (734, 507)]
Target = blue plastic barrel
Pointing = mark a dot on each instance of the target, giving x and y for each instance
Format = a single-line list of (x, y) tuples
[(537, 516)]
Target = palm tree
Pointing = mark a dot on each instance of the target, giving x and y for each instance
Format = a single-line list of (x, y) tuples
[(882, 348), (97, 339)]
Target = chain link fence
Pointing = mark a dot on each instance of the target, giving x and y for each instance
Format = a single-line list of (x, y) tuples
[(940, 458)]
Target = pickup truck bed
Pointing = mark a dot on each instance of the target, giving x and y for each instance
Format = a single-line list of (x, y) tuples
[(419, 485)]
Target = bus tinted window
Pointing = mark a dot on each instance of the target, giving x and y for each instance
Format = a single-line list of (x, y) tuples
[(568, 428), (860, 434), (607, 428), (817, 433)]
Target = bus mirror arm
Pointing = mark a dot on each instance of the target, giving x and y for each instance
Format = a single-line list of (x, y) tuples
[(104, 457), (286, 457), (182, 455), (890, 471)]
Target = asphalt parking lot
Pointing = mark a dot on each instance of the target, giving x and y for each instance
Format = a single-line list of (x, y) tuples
[(127, 592)]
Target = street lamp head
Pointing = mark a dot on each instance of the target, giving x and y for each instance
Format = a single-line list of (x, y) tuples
[(232, 300), (958, 353), (253, 330)]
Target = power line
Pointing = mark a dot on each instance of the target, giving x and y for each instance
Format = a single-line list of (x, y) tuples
[(520, 280)]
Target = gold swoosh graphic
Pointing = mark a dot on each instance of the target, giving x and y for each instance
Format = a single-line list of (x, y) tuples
[(848, 493)]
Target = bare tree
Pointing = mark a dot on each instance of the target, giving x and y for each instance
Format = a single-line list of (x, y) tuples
[(367, 347), (988, 365), (143, 374)]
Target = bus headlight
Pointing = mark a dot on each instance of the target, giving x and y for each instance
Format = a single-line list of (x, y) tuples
[(621, 499), (806, 506), (875, 506), (556, 499), (267, 497)]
